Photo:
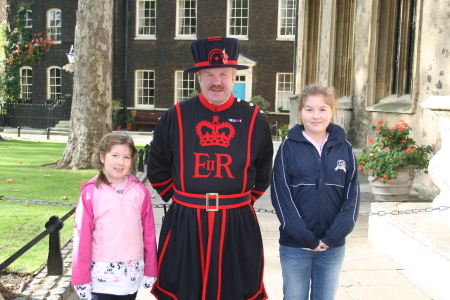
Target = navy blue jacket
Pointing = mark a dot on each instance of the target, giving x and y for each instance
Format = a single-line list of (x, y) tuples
[(315, 197)]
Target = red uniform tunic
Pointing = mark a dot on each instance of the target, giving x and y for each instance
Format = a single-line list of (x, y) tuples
[(199, 148)]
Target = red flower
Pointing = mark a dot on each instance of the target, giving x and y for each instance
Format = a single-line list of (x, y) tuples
[(387, 148), (409, 150), (370, 141), (380, 122), (401, 129), (379, 179), (385, 176), (401, 120), (403, 141), (363, 162), (370, 170), (391, 127), (360, 168)]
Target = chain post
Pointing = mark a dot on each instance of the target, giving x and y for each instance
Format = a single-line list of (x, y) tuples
[(54, 260), (18, 131)]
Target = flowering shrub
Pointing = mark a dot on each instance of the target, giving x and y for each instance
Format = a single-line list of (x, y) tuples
[(392, 149), (21, 48)]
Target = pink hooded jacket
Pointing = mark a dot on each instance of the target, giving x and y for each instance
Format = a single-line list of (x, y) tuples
[(110, 227)]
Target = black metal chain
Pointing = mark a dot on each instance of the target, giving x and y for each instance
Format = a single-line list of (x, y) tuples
[(261, 210)]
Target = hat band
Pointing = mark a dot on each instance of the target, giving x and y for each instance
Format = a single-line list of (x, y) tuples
[(207, 63)]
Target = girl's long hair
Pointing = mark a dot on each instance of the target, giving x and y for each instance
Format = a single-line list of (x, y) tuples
[(106, 144)]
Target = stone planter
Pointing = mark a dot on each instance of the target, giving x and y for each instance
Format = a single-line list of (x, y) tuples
[(398, 191)]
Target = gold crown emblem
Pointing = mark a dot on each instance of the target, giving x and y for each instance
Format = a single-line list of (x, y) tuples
[(219, 134)]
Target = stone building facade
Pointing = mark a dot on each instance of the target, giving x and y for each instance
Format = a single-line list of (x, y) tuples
[(385, 59), (151, 48)]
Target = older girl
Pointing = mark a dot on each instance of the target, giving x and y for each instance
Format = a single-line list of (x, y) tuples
[(315, 192)]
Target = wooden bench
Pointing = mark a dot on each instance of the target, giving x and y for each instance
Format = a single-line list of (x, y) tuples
[(146, 118)]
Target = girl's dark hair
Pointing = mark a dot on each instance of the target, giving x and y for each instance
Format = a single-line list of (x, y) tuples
[(317, 89), (106, 143)]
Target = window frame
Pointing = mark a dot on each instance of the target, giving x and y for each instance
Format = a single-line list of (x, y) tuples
[(381, 96), (28, 21), (279, 93), (181, 90), (180, 19), (58, 33), (28, 85), (50, 85), (281, 9), (230, 11), (143, 36), (138, 87)]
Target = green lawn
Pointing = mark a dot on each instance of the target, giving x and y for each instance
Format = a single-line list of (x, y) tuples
[(23, 174)]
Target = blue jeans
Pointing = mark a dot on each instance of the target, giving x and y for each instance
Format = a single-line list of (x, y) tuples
[(303, 269)]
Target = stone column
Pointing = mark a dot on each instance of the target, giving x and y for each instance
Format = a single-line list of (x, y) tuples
[(439, 167)]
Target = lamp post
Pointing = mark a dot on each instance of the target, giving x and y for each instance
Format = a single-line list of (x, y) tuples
[(70, 67)]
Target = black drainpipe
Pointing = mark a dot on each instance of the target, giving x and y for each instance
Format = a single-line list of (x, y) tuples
[(125, 89)]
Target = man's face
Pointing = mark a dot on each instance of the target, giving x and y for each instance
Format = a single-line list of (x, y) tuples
[(216, 83)]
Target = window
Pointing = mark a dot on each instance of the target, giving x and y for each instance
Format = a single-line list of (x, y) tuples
[(28, 19), (284, 90), (26, 83), (393, 55), (54, 25), (343, 64), (238, 18), (146, 20), (184, 85), (286, 19), (145, 89), (54, 83), (187, 18)]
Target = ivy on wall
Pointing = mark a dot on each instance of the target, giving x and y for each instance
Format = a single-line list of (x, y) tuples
[(20, 49)]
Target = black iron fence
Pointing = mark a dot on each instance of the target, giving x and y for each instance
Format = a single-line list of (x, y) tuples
[(35, 115)]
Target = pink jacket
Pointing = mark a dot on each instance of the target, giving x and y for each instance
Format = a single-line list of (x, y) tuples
[(111, 228)]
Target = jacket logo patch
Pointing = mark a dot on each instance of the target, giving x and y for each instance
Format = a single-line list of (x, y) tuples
[(340, 165), (215, 133)]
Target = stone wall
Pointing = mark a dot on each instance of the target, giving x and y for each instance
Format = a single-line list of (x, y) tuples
[(431, 62)]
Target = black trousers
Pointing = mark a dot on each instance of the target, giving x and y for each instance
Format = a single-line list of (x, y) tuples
[(98, 296)]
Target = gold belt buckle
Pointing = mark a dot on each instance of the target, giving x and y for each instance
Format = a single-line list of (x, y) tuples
[(207, 201)]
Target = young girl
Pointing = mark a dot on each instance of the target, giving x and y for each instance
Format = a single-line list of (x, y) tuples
[(315, 192), (114, 246)]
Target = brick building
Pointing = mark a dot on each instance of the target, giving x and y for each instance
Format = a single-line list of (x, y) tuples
[(151, 45)]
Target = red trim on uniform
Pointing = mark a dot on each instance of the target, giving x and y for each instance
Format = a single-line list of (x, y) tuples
[(180, 128), (227, 104), (204, 206), (258, 192), (261, 286), (249, 147), (162, 183), (157, 286), (253, 211), (163, 192), (202, 196), (253, 198), (207, 63), (222, 238), (214, 38), (211, 216), (200, 241)]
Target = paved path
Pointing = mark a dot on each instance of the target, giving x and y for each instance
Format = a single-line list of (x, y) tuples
[(367, 273)]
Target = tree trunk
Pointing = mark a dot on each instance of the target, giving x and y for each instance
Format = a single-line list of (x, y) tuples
[(92, 88)]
